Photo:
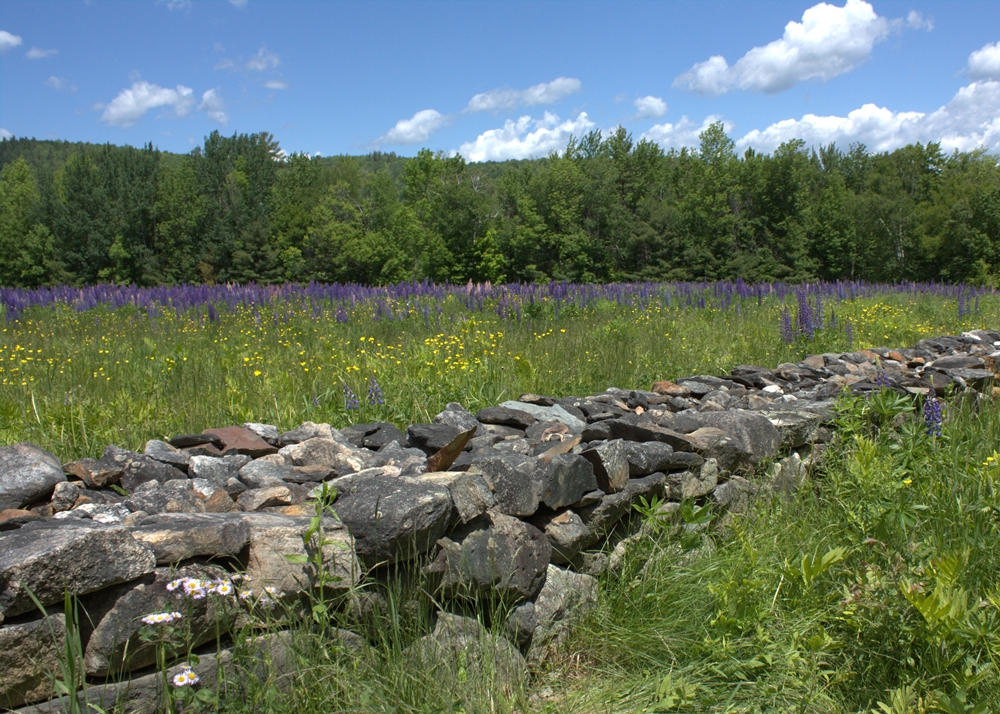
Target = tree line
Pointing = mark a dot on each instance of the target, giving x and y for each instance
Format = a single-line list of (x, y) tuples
[(608, 208)]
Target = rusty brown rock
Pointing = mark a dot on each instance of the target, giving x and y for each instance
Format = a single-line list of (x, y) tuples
[(220, 502), (94, 473), (445, 457), (669, 389), (237, 440)]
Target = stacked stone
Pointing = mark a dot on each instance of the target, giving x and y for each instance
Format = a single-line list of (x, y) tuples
[(504, 505)]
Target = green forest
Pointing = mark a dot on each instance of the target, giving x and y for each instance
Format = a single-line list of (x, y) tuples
[(607, 208)]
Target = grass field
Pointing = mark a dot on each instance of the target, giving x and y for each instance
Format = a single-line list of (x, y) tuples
[(874, 590)]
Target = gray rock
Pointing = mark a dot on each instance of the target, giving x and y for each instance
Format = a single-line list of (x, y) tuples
[(385, 434), (505, 416), (258, 498), (341, 458), (565, 598), (28, 473), (174, 537), (520, 625), (735, 494), (308, 430), (138, 469), (267, 432), (554, 412), (798, 425), (652, 456), (274, 536), (470, 494), (511, 478), (81, 556), (693, 484), (465, 657), (115, 645), (164, 452), (634, 429), (217, 469), (456, 416), (94, 473), (567, 533), (752, 438), (611, 466), (392, 519), (496, 556), (787, 475), (154, 497), (430, 438), (614, 506), (64, 496), (31, 653), (564, 479)]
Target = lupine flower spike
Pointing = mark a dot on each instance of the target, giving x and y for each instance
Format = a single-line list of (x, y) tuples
[(374, 392), (351, 398), (932, 415)]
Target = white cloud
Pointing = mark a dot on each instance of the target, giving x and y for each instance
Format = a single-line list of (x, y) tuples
[(8, 41), (59, 83), (684, 133), (276, 84), (35, 53), (224, 64), (971, 119), (178, 4), (238, 3), (507, 98), (985, 63), (828, 42), (4, 134), (213, 105), (414, 130), (264, 59), (132, 103), (516, 140), (916, 21), (650, 107)]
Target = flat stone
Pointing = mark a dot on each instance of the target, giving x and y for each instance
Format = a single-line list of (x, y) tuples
[(308, 430), (28, 473), (495, 556), (505, 416), (635, 430), (611, 466), (430, 438), (162, 451), (669, 389), (32, 652), (567, 533), (554, 412), (48, 557), (14, 518), (173, 537), (340, 457), (158, 498), (382, 436), (754, 438), (237, 440), (217, 469), (94, 473), (392, 518), (274, 536), (257, 498), (267, 432), (184, 441), (457, 416)]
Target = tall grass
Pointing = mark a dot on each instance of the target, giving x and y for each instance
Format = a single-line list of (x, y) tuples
[(74, 382)]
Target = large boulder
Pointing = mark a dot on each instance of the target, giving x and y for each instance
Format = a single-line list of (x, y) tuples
[(392, 517), (47, 558), (28, 473), (470, 494), (495, 556), (564, 479), (611, 466), (751, 438)]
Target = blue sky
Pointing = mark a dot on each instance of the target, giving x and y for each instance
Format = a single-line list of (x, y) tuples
[(498, 80)]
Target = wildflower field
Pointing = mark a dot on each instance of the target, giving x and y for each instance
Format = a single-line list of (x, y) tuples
[(873, 589), (82, 368)]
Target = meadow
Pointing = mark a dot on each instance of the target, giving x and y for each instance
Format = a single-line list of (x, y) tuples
[(874, 589)]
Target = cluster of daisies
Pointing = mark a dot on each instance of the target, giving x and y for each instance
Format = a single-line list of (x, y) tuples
[(198, 589)]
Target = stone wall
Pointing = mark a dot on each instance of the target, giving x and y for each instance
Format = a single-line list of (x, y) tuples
[(511, 505)]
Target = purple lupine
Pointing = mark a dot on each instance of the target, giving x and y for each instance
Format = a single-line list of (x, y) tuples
[(806, 326), (787, 335), (932, 414), (374, 392), (881, 378), (350, 398)]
